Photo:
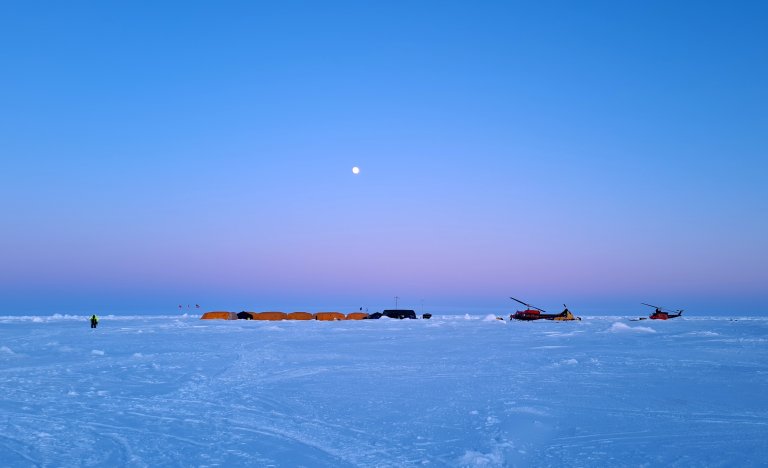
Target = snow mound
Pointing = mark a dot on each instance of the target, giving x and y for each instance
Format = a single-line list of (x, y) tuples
[(6, 350), (619, 327), (97, 352)]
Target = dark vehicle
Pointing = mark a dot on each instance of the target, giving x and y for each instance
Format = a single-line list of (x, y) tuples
[(426, 316), (374, 316), (244, 316), (399, 314)]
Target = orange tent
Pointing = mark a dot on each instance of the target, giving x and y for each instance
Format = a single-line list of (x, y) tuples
[(299, 316), (219, 316), (268, 316), (329, 316), (357, 316)]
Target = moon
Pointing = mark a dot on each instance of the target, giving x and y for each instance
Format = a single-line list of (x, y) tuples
[(355, 170)]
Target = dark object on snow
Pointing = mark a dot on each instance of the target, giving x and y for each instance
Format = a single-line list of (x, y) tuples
[(374, 316), (400, 314), (94, 321), (426, 316), (244, 315)]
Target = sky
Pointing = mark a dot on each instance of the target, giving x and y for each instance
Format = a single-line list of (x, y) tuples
[(601, 154)]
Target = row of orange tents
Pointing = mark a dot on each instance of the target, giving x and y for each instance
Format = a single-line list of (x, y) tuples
[(324, 316)]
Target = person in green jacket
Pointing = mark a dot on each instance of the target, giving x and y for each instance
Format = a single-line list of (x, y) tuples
[(94, 321)]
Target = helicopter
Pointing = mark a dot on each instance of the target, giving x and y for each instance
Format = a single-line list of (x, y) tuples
[(534, 313), (660, 314)]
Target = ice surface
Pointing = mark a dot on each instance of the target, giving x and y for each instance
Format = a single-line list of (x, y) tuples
[(450, 391), (619, 327)]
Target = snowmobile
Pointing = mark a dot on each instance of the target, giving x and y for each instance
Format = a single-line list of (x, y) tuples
[(534, 313), (660, 314)]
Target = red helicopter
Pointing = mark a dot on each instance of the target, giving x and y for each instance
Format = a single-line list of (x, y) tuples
[(661, 314), (534, 313)]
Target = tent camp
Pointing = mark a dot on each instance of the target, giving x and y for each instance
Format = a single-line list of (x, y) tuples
[(269, 315), (219, 316), (299, 316), (329, 316)]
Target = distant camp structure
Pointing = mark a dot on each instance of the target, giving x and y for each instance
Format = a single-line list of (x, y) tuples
[(261, 315), (299, 316), (219, 316), (535, 313), (271, 316), (330, 316), (399, 314), (357, 316)]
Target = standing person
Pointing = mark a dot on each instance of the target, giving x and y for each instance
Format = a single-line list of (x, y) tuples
[(94, 321)]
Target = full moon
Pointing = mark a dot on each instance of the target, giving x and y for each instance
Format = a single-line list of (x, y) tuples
[(355, 170)]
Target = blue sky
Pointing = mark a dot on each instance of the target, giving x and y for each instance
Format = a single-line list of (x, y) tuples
[(598, 153)]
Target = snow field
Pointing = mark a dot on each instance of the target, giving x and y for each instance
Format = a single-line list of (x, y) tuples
[(450, 391)]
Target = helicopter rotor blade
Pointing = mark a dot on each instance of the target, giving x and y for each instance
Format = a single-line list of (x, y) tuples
[(521, 302), (528, 305)]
